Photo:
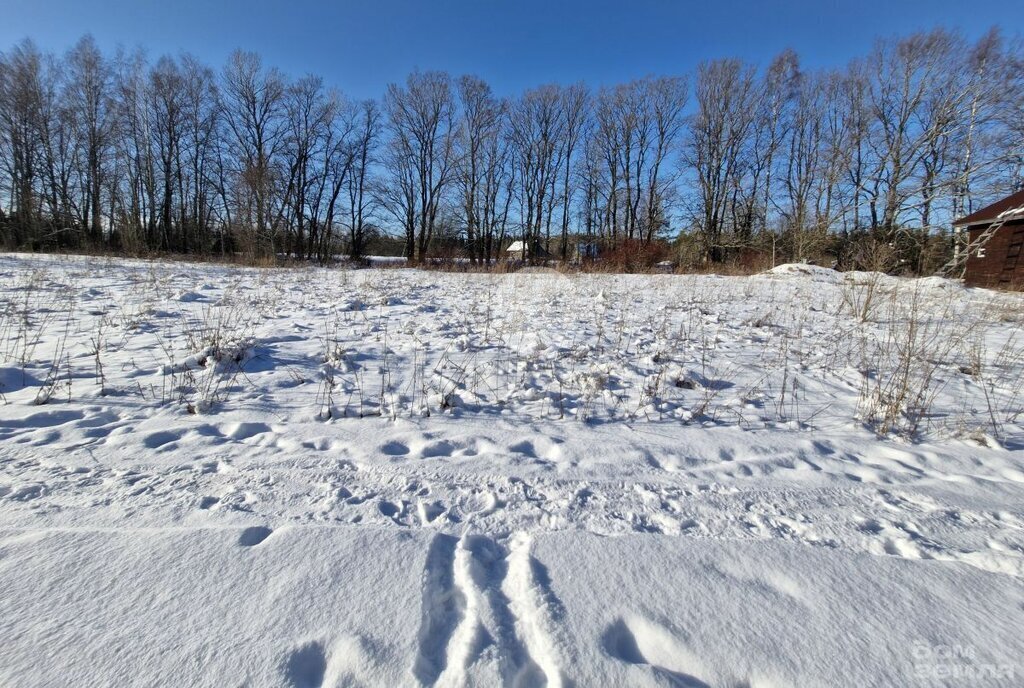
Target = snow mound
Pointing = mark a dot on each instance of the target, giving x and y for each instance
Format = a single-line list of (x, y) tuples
[(936, 282), (190, 297), (866, 277), (815, 272)]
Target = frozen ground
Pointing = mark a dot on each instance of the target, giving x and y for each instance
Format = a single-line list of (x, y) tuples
[(218, 476)]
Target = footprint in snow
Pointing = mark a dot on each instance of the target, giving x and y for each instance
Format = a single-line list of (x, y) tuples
[(394, 449), (387, 508), (396, 512), (525, 448), (161, 438), (429, 511), (643, 643), (243, 431), (254, 535), (440, 449), (305, 666)]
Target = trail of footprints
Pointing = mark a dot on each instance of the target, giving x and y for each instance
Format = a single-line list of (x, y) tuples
[(895, 523), (892, 522)]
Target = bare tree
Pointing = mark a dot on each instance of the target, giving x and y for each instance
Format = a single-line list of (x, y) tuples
[(21, 96), (87, 92), (480, 123), (576, 99), (168, 98), (905, 74), (536, 134), (253, 108), (366, 138), (717, 143), (667, 98), (774, 100), (422, 159), (201, 123)]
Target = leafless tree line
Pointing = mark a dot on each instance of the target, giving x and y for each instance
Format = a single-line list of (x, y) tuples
[(867, 164), (115, 153)]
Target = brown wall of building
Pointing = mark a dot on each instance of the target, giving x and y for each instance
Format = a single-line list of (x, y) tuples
[(999, 266)]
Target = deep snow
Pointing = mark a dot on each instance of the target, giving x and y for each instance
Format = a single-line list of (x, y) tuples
[(227, 476)]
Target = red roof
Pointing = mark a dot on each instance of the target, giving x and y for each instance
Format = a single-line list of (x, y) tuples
[(991, 212)]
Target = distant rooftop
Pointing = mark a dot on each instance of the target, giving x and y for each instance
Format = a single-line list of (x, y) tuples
[(1010, 206)]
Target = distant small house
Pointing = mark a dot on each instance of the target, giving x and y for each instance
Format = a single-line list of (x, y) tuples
[(520, 250), (995, 241), (517, 249)]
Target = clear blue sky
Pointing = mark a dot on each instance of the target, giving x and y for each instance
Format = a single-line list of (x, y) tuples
[(361, 46)]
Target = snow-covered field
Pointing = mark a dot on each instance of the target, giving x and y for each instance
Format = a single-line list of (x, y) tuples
[(224, 476)]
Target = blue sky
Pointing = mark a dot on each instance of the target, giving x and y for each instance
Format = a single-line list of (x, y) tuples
[(361, 46)]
